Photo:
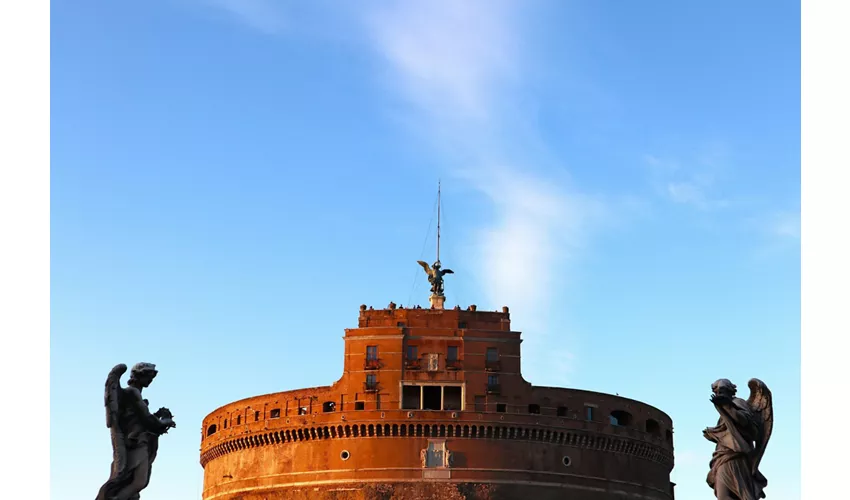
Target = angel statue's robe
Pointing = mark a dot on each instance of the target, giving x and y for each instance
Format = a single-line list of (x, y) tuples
[(731, 462), (138, 431)]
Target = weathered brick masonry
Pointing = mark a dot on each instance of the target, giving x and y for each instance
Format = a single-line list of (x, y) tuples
[(432, 404)]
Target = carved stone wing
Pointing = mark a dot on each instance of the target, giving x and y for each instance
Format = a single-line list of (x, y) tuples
[(761, 403), (426, 267), (112, 402)]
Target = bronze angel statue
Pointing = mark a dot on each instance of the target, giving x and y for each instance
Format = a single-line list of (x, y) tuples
[(435, 276), (741, 436), (135, 432)]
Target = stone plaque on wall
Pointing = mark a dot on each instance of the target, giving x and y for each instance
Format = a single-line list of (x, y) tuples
[(433, 362)]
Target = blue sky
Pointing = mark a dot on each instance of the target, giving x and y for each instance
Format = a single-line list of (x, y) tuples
[(232, 179)]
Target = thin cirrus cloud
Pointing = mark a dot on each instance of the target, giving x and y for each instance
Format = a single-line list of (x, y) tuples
[(785, 224), (456, 65), (263, 15), (691, 185)]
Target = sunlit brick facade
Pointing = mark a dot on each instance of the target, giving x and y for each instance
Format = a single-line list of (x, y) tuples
[(432, 404)]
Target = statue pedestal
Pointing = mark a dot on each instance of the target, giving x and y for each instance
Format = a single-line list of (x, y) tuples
[(437, 301)]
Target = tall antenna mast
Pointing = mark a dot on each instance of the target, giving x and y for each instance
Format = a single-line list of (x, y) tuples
[(438, 220)]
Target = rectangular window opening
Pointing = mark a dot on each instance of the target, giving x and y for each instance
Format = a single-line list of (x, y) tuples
[(452, 398), (411, 397), (501, 407), (451, 355), (359, 405), (431, 397)]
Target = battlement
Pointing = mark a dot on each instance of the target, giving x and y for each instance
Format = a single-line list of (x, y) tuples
[(419, 317)]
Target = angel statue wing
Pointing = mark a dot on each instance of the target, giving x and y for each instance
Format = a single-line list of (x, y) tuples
[(426, 267), (761, 403), (448, 271), (111, 400)]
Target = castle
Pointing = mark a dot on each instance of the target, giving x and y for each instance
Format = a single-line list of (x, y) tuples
[(432, 404)]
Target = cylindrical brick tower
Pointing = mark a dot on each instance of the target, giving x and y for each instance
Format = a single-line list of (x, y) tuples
[(432, 404)]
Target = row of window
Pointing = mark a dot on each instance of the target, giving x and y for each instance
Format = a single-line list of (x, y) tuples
[(491, 357), (445, 400)]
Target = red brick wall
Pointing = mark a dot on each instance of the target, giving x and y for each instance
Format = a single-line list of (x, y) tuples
[(509, 448)]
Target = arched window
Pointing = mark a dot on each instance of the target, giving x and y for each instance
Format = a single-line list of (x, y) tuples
[(211, 430), (653, 428), (621, 418)]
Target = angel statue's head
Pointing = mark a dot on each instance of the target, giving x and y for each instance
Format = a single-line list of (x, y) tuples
[(724, 387), (142, 374)]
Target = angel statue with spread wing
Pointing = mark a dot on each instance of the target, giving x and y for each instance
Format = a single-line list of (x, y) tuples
[(435, 276), (741, 436), (135, 432)]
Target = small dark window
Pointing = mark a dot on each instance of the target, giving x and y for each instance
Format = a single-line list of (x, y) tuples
[(452, 354), (225, 423), (371, 352), (328, 406), (345, 455), (211, 430), (653, 428), (411, 352), (492, 380), (492, 354), (621, 418), (501, 407), (533, 408), (588, 412), (256, 415), (359, 405), (238, 419), (562, 411), (566, 461), (371, 381), (274, 413), (302, 410), (462, 324)]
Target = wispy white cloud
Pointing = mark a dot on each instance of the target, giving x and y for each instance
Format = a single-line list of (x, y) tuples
[(450, 57), (264, 15), (458, 64), (786, 224), (688, 184)]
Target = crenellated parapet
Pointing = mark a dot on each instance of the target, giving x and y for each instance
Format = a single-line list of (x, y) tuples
[(419, 317)]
